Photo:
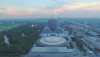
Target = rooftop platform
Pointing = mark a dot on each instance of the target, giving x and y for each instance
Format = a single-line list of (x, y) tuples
[(51, 49)]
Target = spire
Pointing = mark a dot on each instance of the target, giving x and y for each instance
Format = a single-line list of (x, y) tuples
[(52, 16)]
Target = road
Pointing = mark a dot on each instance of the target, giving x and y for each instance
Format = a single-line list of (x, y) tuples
[(76, 49), (90, 55)]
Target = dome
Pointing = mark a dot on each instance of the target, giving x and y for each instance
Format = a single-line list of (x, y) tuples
[(53, 24), (52, 41)]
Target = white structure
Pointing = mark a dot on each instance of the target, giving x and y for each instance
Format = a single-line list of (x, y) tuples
[(50, 51), (23, 34), (93, 33), (6, 39), (52, 41)]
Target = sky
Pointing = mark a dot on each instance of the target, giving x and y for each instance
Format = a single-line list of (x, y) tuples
[(13, 9)]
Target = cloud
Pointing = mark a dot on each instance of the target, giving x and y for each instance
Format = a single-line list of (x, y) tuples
[(58, 4), (63, 0), (79, 6), (32, 11), (55, 6), (25, 11), (14, 11), (3, 8), (55, 0)]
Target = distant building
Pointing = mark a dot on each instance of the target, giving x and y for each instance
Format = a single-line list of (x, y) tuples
[(93, 33), (92, 41), (80, 35), (32, 25)]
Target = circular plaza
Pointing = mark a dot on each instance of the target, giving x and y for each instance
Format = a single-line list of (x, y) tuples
[(52, 41)]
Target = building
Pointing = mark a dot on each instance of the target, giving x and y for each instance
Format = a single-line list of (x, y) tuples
[(93, 41), (52, 35), (53, 29), (52, 42), (50, 51), (53, 24), (93, 33)]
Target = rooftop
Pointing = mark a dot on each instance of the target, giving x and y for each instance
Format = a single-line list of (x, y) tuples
[(52, 40), (51, 49)]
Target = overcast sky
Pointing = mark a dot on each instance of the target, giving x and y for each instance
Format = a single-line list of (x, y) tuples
[(13, 9)]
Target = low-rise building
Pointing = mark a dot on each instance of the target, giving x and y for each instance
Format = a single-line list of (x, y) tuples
[(92, 41), (50, 51)]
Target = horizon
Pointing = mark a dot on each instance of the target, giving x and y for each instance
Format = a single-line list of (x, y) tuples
[(47, 18)]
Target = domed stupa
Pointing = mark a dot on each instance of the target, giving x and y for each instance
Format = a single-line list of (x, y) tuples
[(53, 24)]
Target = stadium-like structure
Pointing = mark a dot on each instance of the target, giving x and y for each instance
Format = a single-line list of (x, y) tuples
[(52, 42)]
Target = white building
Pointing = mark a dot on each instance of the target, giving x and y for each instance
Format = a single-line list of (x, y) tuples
[(93, 33), (50, 51), (52, 42)]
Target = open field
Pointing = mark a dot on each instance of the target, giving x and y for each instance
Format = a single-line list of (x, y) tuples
[(9, 26)]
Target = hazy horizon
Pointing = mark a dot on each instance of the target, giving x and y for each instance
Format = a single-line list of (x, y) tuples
[(53, 18)]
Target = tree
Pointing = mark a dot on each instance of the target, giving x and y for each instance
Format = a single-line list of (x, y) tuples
[(96, 49), (73, 39), (71, 45), (98, 36), (84, 50), (18, 43), (79, 44), (1, 37)]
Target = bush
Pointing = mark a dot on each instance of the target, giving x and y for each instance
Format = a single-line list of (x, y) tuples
[(79, 44)]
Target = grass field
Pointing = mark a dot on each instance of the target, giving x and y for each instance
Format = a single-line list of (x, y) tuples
[(9, 26)]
